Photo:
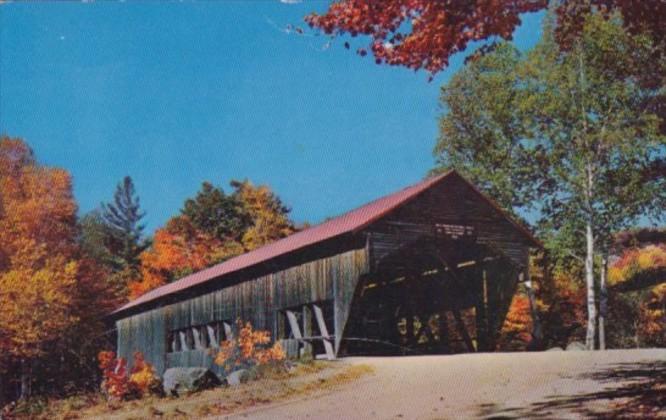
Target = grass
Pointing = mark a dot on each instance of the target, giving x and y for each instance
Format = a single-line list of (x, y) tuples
[(271, 386)]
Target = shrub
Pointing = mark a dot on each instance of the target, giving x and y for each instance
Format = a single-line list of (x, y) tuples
[(143, 376), (638, 277), (120, 384), (249, 349), (653, 317), (516, 332), (115, 384)]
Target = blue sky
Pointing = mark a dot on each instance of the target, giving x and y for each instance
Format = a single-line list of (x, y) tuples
[(177, 93)]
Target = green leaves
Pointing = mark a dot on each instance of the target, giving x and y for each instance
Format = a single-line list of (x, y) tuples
[(565, 135), (481, 132), (121, 220)]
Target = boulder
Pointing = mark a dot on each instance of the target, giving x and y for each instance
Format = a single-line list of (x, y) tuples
[(184, 380), (238, 377), (576, 346)]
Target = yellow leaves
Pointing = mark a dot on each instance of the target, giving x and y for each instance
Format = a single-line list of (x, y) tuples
[(141, 381), (636, 260), (181, 248), (249, 348), (35, 303), (632, 265), (38, 273), (40, 207), (269, 215), (225, 353), (653, 316), (143, 377), (274, 353)]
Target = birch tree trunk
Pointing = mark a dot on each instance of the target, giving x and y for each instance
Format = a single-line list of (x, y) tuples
[(603, 303), (589, 281)]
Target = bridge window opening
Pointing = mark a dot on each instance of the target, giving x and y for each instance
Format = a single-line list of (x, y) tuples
[(199, 337), (311, 326)]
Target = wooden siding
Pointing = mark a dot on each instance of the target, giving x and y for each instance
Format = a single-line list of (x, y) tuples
[(144, 332), (256, 300), (447, 231), (449, 205)]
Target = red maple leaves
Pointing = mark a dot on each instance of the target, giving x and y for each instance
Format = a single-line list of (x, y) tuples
[(423, 34)]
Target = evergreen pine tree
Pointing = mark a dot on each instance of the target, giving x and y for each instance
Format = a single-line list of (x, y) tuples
[(125, 239)]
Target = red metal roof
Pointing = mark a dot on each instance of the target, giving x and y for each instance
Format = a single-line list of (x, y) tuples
[(352, 221)]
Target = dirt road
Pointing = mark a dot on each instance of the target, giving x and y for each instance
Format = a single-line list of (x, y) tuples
[(626, 383)]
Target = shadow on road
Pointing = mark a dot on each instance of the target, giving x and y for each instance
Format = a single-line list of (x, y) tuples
[(633, 390)]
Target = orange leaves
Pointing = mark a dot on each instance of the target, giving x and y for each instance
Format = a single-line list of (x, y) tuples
[(117, 384), (37, 202), (106, 360), (635, 260), (422, 33), (38, 270), (178, 249), (516, 331), (248, 349), (641, 268), (114, 371), (143, 375), (183, 246), (228, 349), (653, 316)]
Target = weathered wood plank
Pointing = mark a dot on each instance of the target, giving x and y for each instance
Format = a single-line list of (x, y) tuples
[(258, 300)]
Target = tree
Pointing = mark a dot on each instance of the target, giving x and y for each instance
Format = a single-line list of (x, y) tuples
[(211, 228), (122, 217), (179, 249), (269, 217), (52, 295), (482, 129), (38, 270), (638, 268), (423, 34), (576, 143), (639, 275), (94, 238), (217, 214)]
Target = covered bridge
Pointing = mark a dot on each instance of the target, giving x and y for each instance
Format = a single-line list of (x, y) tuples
[(431, 268)]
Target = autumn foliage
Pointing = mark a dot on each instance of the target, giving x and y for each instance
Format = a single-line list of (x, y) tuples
[(114, 371), (38, 269), (51, 294), (424, 34), (517, 327), (178, 249), (640, 273), (121, 384), (653, 317), (213, 227), (635, 261), (248, 349), (560, 305)]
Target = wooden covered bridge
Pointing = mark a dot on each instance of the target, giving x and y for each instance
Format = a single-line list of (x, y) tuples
[(431, 268)]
